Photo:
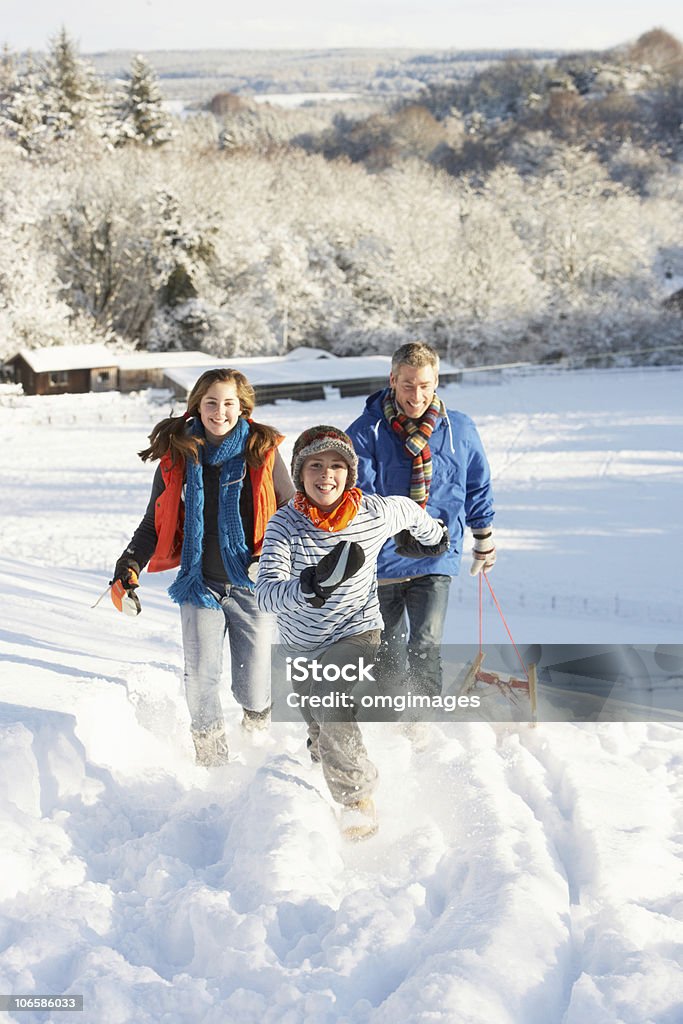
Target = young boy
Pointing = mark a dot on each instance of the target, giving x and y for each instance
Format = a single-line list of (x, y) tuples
[(318, 573)]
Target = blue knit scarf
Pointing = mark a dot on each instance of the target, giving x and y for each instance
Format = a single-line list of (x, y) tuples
[(189, 586)]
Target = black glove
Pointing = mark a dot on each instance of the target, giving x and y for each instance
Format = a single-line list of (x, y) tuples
[(333, 569), (124, 584), (123, 569), (408, 546)]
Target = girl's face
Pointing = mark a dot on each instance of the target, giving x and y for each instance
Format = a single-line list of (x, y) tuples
[(219, 410), (324, 479)]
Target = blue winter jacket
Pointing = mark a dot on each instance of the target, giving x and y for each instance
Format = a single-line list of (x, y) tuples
[(460, 491)]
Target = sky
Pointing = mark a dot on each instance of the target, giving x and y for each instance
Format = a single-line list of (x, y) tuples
[(306, 24)]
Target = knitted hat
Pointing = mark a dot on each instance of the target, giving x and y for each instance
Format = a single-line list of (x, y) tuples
[(323, 439)]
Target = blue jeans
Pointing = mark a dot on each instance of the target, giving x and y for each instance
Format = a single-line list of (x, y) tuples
[(417, 647), (250, 634)]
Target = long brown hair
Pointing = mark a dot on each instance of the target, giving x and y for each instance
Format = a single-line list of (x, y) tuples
[(171, 434)]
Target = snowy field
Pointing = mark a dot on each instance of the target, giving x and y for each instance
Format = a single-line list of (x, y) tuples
[(520, 876)]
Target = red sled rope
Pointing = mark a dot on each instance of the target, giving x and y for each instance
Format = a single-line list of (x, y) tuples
[(506, 684)]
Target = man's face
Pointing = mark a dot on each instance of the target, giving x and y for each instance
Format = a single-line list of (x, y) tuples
[(414, 388)]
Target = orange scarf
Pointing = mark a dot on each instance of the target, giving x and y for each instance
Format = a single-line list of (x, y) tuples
[(338, 518)]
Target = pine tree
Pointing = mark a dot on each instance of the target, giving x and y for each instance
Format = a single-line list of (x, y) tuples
[(8, 71), (22, 104), (74, 97), (141, 116)]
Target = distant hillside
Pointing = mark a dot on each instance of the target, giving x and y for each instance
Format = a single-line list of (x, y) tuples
[(196, 75), (500, 206)]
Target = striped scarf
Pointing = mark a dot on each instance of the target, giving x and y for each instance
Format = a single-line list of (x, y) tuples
[(415, 435), (189, 586)]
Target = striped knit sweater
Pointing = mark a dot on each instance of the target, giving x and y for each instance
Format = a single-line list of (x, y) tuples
[(292, 543)]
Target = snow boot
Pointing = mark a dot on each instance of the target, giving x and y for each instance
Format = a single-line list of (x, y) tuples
[(359, 820), (211, 746), (256, 721)]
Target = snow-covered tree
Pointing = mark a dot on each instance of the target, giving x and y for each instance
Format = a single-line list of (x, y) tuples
[(74, 97), (23, 113), (33, 308), (107, 244), (187, 325), (128, 249), (583, 229), (254, 251), (140, 115), (8, 70)]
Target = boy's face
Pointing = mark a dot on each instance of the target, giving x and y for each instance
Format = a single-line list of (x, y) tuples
[(414, 387), (324, 478)]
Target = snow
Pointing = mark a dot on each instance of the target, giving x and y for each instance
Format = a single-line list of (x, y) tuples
[(523, 876)]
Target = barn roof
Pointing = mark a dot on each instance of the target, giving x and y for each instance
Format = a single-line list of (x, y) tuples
[(68, 357)]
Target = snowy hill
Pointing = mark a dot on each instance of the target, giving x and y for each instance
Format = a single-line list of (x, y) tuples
[(519, 876)]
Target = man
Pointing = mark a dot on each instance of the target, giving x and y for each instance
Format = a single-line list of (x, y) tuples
[(408, 443)]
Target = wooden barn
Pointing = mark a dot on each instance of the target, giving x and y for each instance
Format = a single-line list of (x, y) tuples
[(64, 369)]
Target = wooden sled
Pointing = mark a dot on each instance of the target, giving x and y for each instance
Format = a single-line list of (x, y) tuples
[(507, 684)]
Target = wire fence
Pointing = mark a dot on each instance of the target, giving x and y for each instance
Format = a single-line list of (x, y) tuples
[(664, 357), (577, 606)]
